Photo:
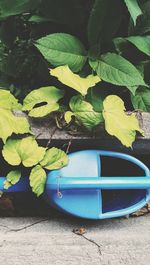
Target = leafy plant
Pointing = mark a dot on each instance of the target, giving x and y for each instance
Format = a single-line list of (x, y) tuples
[(9, 123), (54, 159), (134, 9), (97, 52), (119, 124), (141, 100), (84, 113), (111, 112), (112, 64), (68, 78), (8, 8), (63, 49), (12, 178), (16, 152), (48, 95), (109, 60), (38, 179)]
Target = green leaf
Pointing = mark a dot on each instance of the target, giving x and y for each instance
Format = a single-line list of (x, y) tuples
[(49, 95), (63, 49), (128, 46), (95, 97), (8, 101), (25, 151), (10, 124), (141, 42), (37, 180), (133, 89), (134, 9), (68, 78), (38, 19), (141, 100), (15, 7), (121, 45), (104, 21), (54, 159), (12, 178), (84, 112), (118, 123), (115, 69), (143, 22)]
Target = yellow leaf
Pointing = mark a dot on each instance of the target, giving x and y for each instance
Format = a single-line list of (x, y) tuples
[(68, 116), (118, 123), (68, 78), (37, 180)]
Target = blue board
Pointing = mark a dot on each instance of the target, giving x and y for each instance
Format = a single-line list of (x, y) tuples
[(80, 188)]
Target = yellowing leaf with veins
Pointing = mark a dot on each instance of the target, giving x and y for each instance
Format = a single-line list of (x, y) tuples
[(10, 124), (37, 180), (84, 113), (54, 158), (47, 97), (25, 151), (68, 78), (12, 178), (118, 123), (8, 101)]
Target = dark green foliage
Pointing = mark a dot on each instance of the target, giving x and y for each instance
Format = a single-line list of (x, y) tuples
[(114, 32), (21, 23), (94, 50)]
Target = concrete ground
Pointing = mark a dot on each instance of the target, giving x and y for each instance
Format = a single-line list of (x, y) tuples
[(51, 240)]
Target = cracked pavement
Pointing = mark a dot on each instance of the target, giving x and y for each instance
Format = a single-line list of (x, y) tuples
[(51, 240)]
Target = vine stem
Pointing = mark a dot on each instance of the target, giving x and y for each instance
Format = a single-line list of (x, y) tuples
[(69, 145), (50, 139)]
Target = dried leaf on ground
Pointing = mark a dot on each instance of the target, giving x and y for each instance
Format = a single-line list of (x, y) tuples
[(79, 231)]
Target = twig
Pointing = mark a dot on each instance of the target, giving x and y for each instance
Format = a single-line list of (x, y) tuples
[(69, 145), (52, 134)]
